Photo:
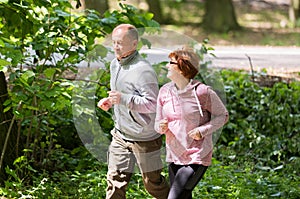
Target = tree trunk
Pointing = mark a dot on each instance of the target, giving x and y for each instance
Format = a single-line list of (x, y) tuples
[(294, 11), (99, 5), (220, 16), (155, 8), (11, 150)]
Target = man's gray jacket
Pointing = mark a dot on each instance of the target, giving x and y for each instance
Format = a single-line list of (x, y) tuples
[(135, 78)]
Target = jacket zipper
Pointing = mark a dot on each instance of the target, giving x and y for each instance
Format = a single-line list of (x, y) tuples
[(117, 75)]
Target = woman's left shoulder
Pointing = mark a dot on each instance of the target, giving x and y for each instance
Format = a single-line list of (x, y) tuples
[(201, 88)]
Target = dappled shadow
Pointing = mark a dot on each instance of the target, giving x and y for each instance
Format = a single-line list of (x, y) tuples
[(263, 22), (247, 36)]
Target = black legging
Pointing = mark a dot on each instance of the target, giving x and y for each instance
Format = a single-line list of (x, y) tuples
[(183, 179)]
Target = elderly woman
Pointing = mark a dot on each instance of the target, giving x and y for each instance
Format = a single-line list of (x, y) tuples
[(188, 112)]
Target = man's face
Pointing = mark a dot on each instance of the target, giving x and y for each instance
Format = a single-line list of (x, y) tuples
[(122, 44)]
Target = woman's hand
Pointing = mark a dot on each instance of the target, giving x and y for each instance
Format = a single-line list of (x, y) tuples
[(163, 125), (195, 134)]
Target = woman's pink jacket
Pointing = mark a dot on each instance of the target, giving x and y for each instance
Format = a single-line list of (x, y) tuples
[(197, 106)]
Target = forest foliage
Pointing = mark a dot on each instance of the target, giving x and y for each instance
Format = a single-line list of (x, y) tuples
[(42, 43)]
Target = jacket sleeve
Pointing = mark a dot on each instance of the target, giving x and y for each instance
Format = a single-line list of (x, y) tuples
[(144, 95), (218, 111), (159, 114)]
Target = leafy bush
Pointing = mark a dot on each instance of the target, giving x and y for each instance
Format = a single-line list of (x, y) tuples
[(40, 50), (245, 166), (264, 122)]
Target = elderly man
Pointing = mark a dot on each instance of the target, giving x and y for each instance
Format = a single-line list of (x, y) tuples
[(134, 89)]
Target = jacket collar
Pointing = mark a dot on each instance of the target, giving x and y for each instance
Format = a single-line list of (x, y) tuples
[(190, 86), (128, 59)]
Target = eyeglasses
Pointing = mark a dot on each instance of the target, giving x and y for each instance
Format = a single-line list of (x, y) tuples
[(171, 62)]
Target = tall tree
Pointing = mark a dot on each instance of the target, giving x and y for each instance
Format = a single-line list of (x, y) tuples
[(155, 8), (8, 132), (220, 16), (294, 11), (100, 6)]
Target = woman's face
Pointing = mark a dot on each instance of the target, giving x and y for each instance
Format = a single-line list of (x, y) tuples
[(173, 70)]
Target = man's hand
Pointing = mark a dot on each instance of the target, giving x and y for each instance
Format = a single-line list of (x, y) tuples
[(105, 103), (115, 96)]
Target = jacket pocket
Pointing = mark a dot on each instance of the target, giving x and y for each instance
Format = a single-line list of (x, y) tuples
[(140, 118)]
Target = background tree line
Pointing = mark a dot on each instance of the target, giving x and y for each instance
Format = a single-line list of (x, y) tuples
[(219, 15)]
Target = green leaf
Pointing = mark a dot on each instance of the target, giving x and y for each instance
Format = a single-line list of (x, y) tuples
[(49, 72), (148, 16), (278, 168), (6, 109), (7, 102), (3, 1), (109, 20), (146, 42), (62, 13), (31, 107), (51, 93), (47, 104), (13, 174), (67, 95), (3, 62), (25, 76), (101, 51)]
